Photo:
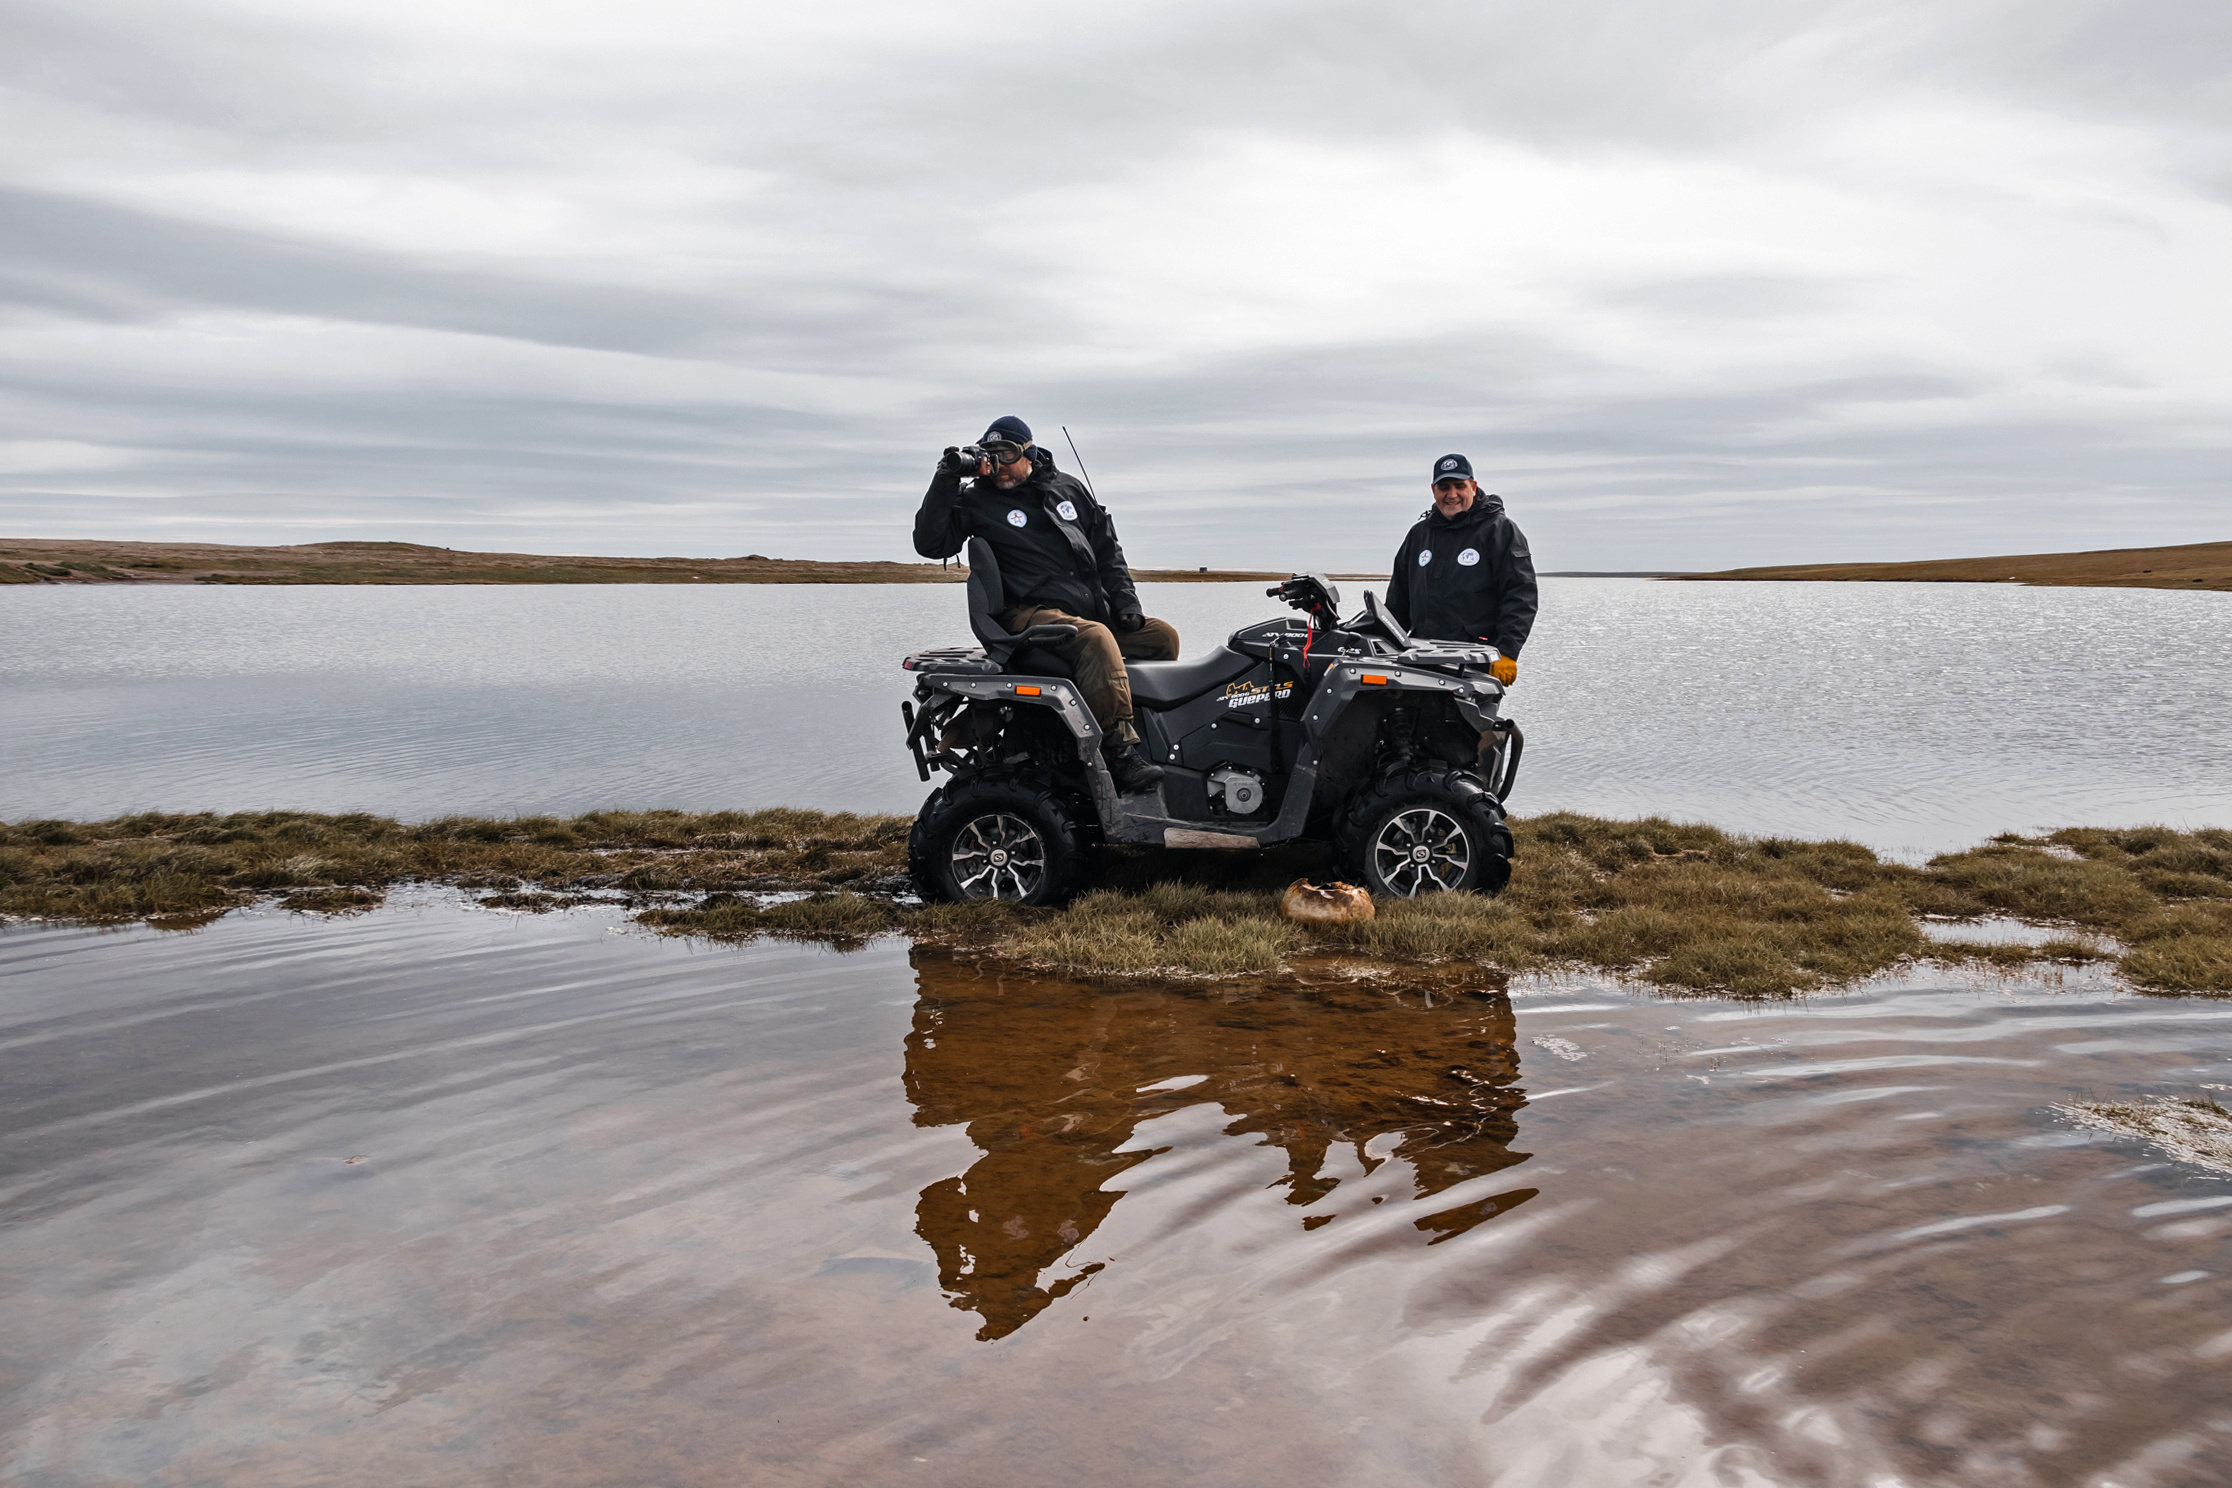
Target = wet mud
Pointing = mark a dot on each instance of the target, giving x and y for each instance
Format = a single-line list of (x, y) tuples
[(433, 1195)]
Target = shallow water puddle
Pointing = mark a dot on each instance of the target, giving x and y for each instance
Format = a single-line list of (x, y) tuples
[(435, 1195), (2004, 930)]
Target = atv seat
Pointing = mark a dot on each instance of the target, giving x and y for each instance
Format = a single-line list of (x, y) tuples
[(1166, 684), (1012, 652)]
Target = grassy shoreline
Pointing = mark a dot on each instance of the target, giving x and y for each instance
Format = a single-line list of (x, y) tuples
[(32, 561), (93, 561), (1684, 908), (2188, 566)]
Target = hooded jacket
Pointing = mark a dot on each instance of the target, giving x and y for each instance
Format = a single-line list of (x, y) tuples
[(1465, 578), (1056, 545)]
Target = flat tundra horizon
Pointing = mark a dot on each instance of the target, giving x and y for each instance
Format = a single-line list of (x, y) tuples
[(63, 561)]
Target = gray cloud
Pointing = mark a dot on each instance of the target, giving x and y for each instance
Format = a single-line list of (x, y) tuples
[(1754, 280), (1708, 297), (67, 255)]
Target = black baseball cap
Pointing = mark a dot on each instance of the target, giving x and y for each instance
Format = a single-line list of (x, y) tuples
[(1452, 467), (1009, 430)]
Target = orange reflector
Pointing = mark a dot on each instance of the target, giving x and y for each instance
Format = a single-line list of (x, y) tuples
[(1026, 692), (1374, 679)]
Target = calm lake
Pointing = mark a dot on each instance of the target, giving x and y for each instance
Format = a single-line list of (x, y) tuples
[(446, 1195), (1912, 717), (441, 1195)]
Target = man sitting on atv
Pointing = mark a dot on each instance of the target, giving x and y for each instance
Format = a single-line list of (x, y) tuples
[(1060, 564), (1464, 572)]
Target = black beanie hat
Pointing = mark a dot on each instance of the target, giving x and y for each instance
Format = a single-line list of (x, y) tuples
[(1011, 429)]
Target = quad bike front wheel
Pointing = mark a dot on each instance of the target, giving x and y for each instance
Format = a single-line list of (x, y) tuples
[(1426, 832), (1006, 836)]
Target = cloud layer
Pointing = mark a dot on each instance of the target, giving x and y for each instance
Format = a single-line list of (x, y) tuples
[(1698, 285)]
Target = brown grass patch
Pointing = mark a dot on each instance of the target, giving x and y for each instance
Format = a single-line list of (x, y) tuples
[(2187, 566), (162, 866), (332, 901), (1678, 906), (1171, 927)]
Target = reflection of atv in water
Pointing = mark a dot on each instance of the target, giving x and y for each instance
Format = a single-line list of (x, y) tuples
[(1309, 728), (1055, 1080)]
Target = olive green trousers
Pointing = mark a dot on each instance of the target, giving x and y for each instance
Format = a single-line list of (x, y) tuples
[(1098, 655)]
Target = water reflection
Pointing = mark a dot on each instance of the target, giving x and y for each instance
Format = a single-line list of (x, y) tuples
[(1052, 1079), (636, 1211)]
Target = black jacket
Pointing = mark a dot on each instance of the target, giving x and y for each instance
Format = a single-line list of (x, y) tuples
[(1465, 578), (1056, 544)]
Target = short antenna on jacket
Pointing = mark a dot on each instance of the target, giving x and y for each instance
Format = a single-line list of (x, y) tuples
[(1081, 470)]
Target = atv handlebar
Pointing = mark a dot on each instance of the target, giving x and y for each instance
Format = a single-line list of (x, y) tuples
[(1314, 595)]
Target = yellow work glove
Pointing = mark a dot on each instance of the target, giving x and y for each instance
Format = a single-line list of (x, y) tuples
[(1505, 669)]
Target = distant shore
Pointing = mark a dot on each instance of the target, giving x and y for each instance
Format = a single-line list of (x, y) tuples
[(2190, 566), (63, 561)]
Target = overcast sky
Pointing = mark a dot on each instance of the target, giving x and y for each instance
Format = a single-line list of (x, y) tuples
[(1693, 284)]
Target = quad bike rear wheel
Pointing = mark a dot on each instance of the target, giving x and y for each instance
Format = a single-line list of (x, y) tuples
[(999, 836), (1426, 831)]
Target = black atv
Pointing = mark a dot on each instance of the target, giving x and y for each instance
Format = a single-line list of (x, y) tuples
[(1308, 728)]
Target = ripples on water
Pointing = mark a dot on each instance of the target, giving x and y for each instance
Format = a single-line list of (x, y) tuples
[(1913, 717), (440, 1195)]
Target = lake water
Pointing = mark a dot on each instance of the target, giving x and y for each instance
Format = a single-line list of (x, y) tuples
[(1913, 717), (440, 1195)]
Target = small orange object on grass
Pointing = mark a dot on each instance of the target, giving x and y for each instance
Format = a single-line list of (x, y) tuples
[(1306, 901)]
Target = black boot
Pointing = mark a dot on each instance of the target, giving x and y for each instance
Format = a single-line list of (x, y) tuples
[(1133, 771)]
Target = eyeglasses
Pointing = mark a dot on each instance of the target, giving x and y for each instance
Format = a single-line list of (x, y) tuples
[(1003, 454)]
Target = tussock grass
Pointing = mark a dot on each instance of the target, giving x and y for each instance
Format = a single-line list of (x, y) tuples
[(1692, 908), (1446, 927), (154, 866), (332, 901), (531, 902), (1167, 927), (1672, 904), (1686, 908), (842, 918)]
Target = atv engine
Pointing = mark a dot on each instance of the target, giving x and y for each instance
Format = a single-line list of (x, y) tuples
[(1240, 792)]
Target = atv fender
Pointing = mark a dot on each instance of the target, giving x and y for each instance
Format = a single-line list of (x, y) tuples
[(1477, 700), (1059, 694)]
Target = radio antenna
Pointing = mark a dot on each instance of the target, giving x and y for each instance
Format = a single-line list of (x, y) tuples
[(1081, 470)]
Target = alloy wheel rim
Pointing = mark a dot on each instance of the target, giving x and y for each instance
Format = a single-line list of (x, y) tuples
[(1420, 850), (998, 857)]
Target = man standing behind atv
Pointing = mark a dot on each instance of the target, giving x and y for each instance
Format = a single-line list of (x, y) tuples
[(1060, 564), (1464, 572)]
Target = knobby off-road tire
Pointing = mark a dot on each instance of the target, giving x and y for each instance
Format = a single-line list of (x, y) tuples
[(1001, 835), (1425, 831)]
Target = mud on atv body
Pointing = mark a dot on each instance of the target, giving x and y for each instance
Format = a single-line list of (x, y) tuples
[(1301, 728)]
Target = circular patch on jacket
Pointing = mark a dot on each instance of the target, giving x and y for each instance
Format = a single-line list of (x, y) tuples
[(1068, 510), (1469, 557), (1017, 519), (1425, 556)]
